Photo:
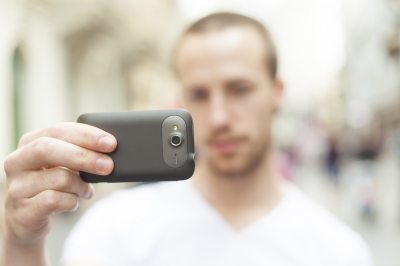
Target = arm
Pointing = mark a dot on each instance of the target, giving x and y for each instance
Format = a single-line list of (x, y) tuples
[(43, 179)]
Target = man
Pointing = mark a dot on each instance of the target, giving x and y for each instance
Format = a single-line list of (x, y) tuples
[(235, 210)]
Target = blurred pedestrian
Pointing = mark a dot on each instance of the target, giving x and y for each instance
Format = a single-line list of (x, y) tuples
[(333, 160)]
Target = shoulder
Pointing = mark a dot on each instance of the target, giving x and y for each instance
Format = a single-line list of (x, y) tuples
[(332, 237)]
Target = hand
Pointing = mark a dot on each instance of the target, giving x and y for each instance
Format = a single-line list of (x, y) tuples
[(43, 177)]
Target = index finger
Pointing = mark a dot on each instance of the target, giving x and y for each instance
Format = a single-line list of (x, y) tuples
[(82, 135)]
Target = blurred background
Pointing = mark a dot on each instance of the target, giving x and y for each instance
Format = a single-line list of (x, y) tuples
[(337, 135)]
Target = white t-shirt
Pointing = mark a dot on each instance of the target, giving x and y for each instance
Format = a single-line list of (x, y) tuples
[(171, 224)]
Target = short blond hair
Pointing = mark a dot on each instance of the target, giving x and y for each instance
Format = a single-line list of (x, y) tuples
[(223, 20)]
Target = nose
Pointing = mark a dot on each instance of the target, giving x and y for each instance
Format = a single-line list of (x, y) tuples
[(219, 113)]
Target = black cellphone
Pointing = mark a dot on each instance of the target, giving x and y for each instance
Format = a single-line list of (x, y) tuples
[(153, 145)]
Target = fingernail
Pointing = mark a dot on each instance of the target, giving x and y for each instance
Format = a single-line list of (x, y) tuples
[(103, 165), (106, 142), (89, 194), (76, 207)]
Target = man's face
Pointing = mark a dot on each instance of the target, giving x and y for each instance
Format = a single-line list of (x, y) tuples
[(231, 95)]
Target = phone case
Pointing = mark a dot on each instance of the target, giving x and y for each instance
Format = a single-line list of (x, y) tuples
[(144, 151)]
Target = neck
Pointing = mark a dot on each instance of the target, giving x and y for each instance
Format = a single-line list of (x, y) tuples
[(240, 199)]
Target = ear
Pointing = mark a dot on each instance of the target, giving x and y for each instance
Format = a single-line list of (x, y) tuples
[(278, 88)]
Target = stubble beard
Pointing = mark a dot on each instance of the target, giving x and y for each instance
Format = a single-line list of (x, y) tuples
[(253, 160)]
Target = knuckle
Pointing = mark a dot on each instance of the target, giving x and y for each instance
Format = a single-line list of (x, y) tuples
[(55, 131), (24, 139), (41, 146), (50, 200), (9, 164), (61, 181), (13, 191)]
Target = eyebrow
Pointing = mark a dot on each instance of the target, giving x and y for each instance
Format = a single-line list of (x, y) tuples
[(238, 80)]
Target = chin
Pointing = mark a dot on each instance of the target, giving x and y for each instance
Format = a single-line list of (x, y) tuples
[(231, 168), (237, 165), (232, 173)]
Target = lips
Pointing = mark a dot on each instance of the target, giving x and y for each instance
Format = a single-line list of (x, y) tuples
[(226, 146)]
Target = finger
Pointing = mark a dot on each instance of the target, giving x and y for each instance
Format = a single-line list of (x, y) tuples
[(30, 217), (60, 179), (79, 134), (48, 152), (51, 201)]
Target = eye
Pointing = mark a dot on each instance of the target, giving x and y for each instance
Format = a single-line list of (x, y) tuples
[(240, 88), (197, 94)]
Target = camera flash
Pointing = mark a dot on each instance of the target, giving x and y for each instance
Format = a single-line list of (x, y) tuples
[(175, 127)]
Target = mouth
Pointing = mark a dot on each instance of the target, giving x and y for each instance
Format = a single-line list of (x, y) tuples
[(226, 146)]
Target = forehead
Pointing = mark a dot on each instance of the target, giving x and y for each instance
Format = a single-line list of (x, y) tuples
[(235, 49)]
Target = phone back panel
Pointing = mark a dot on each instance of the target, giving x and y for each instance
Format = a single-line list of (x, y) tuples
[(139, 152)]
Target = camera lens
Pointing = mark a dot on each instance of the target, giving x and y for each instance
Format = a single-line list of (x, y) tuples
[(176, 140)]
